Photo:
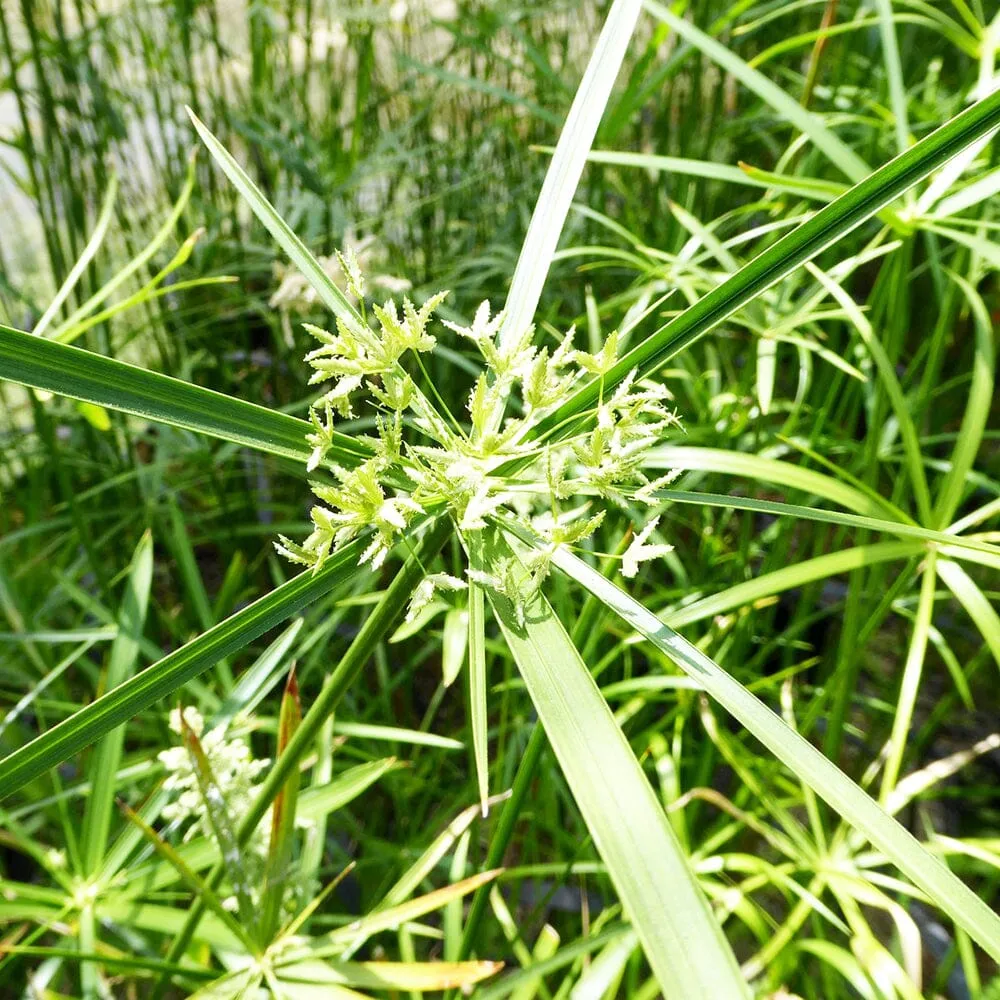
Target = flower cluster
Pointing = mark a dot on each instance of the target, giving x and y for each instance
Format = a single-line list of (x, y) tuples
[(234, 773), (484, 463), (232, 765)]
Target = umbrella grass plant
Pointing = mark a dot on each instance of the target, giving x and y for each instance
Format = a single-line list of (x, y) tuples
[(548, 482)]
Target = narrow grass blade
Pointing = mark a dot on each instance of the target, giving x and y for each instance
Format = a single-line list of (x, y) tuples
[(890, 383), (837, 151), (977, 408), (744, 174), (454, 644), (283, 813), (322, 800), (110, 959), (564, 956), (141, 258), (972, 194), (155, 288), (396, 734), (329, 294), (602, 978), (96, 238), (546, 945), (259, 678), (770, 470), (828, 225), (173, 858), (827, 517), (564, 171), (894, 72), (36, 690), (680, 935), (391, 976), (803, 759), (975, 602), (70, 371), (409, 881), (910, 683), (818, 568), (103, 768), (478, 716), (382, 920), (166, 676), (190, 574)]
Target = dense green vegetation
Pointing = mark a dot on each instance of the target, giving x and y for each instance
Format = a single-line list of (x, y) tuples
[(655, 660)]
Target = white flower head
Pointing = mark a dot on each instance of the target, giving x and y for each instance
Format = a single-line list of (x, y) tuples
[(428, 586), (482, 328), (191, 716), (639, 552), (351, 268), (479, 507)]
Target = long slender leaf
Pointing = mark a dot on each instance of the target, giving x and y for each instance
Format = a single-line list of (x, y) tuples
[(837, 151), (283, 814), (140, 259), (170, 673), (330, 295), (890, 383), (387, 976), (564, 171), (69, 371), (96, 238), (796, 575), (121, 664), (977, 409), (826, 516), (910, 683), (771, 470), (478, 717), (894, 71), (682, 940), (827, 226), (967, 910), (381, 920), (975, 602), (744, 174)]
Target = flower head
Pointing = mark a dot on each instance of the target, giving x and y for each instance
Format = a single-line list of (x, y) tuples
[(426, 459)]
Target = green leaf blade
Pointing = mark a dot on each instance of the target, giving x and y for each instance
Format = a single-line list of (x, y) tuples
[(927, 872), (93, 378), (121, 664), (826, 227), (167, 675), (564, 171), (681, 938)]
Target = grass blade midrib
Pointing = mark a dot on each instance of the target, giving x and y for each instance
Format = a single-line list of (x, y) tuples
[(646, 863)]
